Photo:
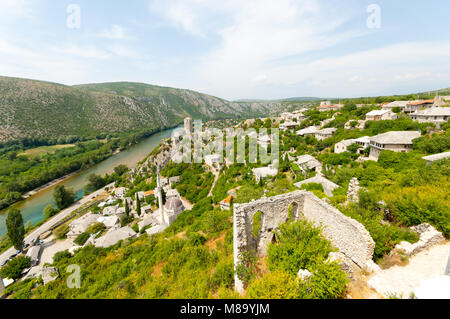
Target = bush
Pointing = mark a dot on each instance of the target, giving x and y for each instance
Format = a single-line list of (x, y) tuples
[(13, 269), (195, 239), (125, 220), (328, 282), (298, 246), (50, 211), (97, 227), (213, 222), (274, 285), (224, 274), (61, 255), (61, 231), (82, 239)]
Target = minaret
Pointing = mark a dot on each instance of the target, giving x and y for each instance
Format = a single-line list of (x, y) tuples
[(160, 199)]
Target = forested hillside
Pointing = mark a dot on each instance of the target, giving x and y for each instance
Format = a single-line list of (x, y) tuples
[(39, 109)]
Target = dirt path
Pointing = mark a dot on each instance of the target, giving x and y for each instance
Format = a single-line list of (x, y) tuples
[(401, 281)]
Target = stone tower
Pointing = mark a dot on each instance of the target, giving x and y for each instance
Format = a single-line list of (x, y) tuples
[(188, 126)]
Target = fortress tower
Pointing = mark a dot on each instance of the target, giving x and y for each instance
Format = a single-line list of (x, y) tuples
[(188, 126)]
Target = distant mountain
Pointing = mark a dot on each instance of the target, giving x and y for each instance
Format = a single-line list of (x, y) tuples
[(30, 108), (292, 99)]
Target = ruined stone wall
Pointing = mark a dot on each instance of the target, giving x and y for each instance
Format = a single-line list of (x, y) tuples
[(346, 234)]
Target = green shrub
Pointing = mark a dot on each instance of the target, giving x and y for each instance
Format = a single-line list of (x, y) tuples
[(125, 220), (328, 282), (274, 285), (61, 255), (13, 269), (224, 274), (299, 245), (61, 231), (82, 239), (195, 239)]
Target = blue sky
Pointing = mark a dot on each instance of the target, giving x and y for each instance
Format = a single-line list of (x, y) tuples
[(233, 49)]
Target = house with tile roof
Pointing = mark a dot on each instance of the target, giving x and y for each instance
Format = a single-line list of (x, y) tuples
[(397, 141)]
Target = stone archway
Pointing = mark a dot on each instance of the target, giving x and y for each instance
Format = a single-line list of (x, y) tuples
[(346, 234)]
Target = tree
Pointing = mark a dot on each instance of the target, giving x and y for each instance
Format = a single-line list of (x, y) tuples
[(63, 197), (354, 148), (127, 208), (50, 211), (120, 170), (15, 227), (14, 268), (138, 205), (96, 181)]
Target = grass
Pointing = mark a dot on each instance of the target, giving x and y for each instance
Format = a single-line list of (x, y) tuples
[(42, 150)]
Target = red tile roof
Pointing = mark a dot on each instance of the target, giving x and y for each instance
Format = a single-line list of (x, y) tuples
[(421, 102)]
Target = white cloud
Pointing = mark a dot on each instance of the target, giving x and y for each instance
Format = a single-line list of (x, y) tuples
[(89, 52), (116, 32), (11, 10), (125, 52)]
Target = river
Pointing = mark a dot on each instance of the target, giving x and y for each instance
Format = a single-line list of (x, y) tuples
[(32, 207)]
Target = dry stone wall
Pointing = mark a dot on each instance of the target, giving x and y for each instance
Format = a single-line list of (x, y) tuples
[(346, 234)]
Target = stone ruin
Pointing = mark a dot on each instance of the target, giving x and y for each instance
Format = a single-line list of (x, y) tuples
[(429, 236), (353, 191), (346, 234)]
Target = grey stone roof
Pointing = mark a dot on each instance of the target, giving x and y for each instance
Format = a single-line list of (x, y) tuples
[(114, 236), (396, 137), (327, 131), (434, 111), (328, 185), (436, 157), (173, 203)]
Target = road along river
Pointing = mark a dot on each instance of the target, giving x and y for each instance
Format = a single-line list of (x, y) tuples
[(32, 207)]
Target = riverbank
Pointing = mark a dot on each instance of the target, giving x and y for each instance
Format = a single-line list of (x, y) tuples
[(55, 220), (49, 184), (33, 206)]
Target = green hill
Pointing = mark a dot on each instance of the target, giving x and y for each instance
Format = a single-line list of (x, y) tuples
[(30, 108)]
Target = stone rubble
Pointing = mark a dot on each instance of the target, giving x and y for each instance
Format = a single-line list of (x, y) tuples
[(429, 236)]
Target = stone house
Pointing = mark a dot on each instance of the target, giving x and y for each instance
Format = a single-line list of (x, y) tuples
[(360, 124), (342, 146), (392, 105), (308, 163), (328, 186), (288, 125), (397, 141), (414, 106), (435, 115), (311, 130), (329, 107), (264, 172), (226, 203), (120, 192), (325, 133), (436, 157), (378, 115), (34, 254)]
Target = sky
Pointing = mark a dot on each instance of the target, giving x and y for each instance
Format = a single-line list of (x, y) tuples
[(233, 49)]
